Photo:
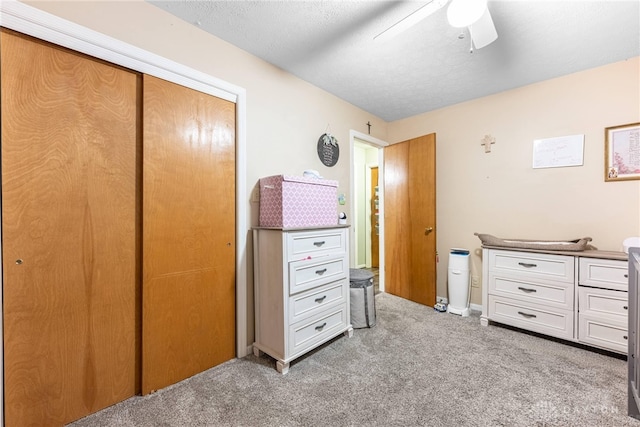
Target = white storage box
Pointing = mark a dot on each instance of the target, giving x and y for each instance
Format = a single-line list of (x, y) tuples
[(295, 201)]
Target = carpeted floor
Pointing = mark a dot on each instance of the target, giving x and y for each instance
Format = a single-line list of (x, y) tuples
[(416, 367)]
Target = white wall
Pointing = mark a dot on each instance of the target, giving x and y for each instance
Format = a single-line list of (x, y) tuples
[(364, 157), (359, 202), (500, 193), (285, 115)]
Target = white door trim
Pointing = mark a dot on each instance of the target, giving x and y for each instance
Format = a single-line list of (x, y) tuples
[(45, 26), (378, 143)]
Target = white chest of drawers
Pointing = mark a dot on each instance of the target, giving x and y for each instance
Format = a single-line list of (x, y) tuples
[(531, 291), (603, 303), (301, 288), (570, 296)]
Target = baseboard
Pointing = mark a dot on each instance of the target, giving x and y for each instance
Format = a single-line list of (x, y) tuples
[(476, 307), (249, 350)]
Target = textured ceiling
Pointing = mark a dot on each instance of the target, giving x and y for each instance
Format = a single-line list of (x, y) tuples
[(330, 44)]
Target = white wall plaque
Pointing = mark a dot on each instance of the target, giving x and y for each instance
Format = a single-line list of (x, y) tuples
[(558, 152)]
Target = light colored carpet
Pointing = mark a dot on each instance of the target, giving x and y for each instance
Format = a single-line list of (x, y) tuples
[(416, 367)]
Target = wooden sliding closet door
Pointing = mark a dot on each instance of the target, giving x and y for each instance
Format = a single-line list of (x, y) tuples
[(68, 223), (188, 318)]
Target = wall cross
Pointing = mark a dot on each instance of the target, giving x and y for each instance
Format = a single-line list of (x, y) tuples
[(487, 141)]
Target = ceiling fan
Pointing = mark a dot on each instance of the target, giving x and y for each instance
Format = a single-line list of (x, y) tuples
[(473, 14)]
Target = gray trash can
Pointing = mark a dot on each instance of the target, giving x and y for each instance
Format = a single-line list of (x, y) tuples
[(363, 303)]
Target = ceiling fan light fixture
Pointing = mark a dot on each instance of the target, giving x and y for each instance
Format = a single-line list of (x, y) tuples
[(410, 20), (483, 32), (463, 13)]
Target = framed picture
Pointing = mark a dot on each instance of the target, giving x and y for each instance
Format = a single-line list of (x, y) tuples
[(622, 152)]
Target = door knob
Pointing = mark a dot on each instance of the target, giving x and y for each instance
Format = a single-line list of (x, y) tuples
[(428, 230)]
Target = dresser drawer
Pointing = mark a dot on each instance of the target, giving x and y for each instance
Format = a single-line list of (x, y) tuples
[(553, 268), (603, 301), (308, 303), (553, 322), (309, 274), (312, 244), (557, 295), (603, 331), (304, 335), (604, 273)]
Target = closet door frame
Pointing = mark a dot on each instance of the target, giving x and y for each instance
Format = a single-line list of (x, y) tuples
[(42, 25)]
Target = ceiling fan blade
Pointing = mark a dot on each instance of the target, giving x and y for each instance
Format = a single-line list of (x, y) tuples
[(483, 32), (410, 20)]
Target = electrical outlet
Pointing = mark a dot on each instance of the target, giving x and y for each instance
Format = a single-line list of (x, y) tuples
[(475, 283)]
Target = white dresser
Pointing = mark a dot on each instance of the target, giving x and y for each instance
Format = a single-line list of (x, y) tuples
[(301, 282), (579, 296), (603, 303)]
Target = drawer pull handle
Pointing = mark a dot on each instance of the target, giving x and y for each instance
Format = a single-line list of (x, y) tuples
[(626, 307), (527, 289), (318, 244), (527, 315), (625, 337), (527, 265), (321, 327), (319, 300), (321, 272), (626, 276)]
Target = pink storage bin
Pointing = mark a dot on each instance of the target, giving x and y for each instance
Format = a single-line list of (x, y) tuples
[(294, 201)]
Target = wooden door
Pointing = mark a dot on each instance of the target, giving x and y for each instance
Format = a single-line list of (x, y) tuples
[(410, 219), (188, 314), (69, 232), (375, 222)]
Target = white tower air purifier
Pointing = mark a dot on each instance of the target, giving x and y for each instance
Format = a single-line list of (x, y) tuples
[(458, 283)]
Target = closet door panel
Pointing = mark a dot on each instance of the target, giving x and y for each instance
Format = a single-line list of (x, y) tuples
[(188, 233), (68, 223), (186, 317)]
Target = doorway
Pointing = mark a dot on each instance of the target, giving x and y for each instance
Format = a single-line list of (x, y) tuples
[(367, 228)]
